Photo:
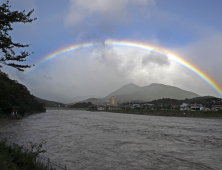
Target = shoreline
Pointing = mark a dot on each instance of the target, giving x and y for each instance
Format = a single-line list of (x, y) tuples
[(18, 116), (169, 113), (166, 113)]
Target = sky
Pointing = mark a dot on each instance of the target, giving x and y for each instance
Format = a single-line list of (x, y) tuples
[(188, 29)]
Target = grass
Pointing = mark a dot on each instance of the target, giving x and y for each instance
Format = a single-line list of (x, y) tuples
[(15, 157)]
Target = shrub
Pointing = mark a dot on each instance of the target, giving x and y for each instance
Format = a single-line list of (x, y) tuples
[(18, 158)]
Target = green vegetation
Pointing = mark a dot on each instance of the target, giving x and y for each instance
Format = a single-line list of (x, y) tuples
[(200, 100), (163, 107), (16, 157), (96, 101), (157, 94), (81, 105), (166, 103), (8, 56), (12, 94), (133, 93), (48, 103)]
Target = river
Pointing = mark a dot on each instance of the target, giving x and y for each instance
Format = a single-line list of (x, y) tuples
[(101, 140)]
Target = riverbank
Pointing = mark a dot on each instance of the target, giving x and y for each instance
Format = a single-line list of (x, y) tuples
[(65, 108), (173, 113), (18, 116), (16, 157)]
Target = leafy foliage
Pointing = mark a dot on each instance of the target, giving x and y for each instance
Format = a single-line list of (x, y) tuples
[(81, 105), (49, 103), (17, 157), (13, 93), (8, 17)]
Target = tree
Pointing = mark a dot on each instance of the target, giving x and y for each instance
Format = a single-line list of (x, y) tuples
[(13, 93), (8, 56)]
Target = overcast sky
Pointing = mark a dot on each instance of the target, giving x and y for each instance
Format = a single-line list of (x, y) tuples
[(190, 29)]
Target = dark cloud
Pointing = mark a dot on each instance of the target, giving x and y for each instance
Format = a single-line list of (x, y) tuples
[(156, 59)]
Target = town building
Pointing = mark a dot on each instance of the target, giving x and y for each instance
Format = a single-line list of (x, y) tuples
[(216, 106), (14, 110), (196, 106), (100, 108), (207, 109), (112, 101), (136, 106), (148, 105), (185, 106), (175, 106), (219, 100)]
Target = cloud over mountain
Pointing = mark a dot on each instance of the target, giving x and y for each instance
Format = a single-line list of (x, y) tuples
[(156, 59)]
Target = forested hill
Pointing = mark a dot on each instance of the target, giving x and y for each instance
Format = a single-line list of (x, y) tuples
[(81, 105), (15, 94), (49, 103)]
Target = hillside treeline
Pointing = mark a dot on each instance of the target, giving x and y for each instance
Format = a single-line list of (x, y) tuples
[(14, 94), (81, 105), (49, 103), (206, 100)]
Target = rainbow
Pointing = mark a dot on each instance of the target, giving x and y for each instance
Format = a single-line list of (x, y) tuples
[(139, 45)]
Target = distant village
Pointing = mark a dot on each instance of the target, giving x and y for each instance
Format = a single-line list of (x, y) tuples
[(201, 103), (152, 97)]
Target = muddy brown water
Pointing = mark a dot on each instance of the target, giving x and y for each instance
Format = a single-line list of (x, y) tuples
[(100, 140)]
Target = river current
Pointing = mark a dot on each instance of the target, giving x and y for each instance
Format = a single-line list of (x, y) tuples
[(102, 140)]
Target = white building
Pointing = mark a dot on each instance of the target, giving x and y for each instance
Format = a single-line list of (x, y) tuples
[(185, 106), (196, 106), (148, 105), (101, 108), (136, 106)]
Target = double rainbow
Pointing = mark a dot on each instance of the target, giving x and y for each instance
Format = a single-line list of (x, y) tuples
[(143, 46)]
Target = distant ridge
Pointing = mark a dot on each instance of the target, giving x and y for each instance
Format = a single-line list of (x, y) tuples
[(80, 98), (95, 101), (126, 89), (154, 91), (49, 103)]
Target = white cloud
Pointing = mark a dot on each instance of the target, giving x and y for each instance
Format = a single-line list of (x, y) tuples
[(93, 19), (206, 54), (110, 9), (100, 70)]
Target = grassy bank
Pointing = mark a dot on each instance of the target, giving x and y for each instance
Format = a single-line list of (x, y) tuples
[(174, 113), (15, 157)]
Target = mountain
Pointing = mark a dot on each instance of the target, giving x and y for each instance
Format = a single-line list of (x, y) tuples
[(96, 101), (79, 98), (49, 103), (156, 91), (50, 96), (127, 89), (132, 92)]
